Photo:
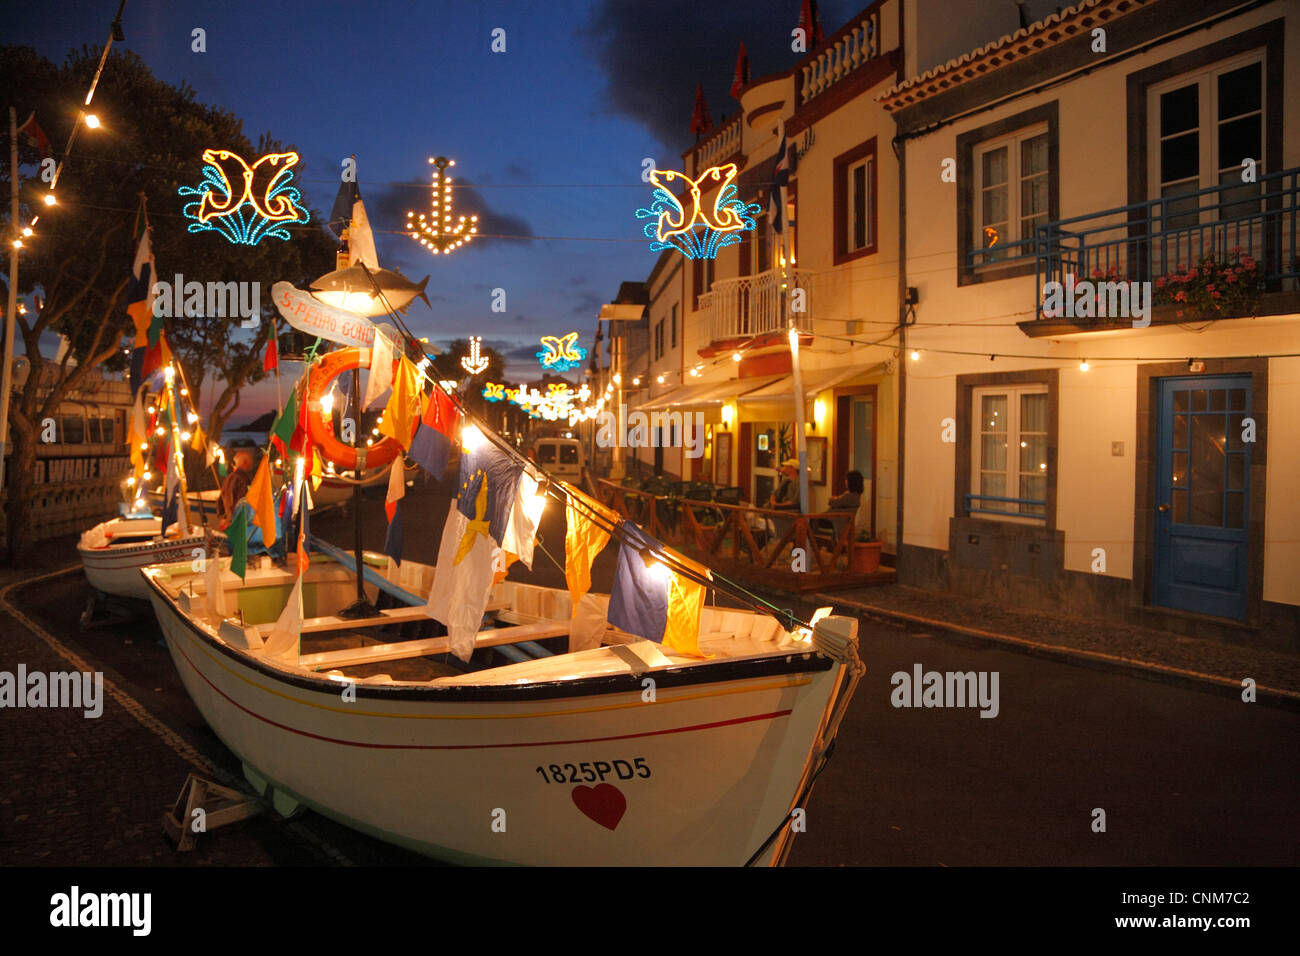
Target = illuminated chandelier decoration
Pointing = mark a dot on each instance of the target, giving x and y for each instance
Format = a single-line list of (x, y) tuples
[(474, 362), (244, 203), (440, 236), (560, 354), (677, 226)]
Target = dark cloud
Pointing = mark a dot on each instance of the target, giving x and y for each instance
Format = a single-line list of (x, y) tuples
[(518, 172), (577, 280), (587, 305), (521, 353), (387, 207), (651, 78)]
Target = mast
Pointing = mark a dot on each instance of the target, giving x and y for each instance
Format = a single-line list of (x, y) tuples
[(183, 507)]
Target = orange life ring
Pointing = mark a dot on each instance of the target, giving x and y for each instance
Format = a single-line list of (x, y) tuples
[(321, 425)]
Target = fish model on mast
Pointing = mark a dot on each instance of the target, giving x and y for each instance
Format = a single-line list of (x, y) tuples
[(350, 289)]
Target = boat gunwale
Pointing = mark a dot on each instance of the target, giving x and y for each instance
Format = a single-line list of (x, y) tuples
[(714, 671)]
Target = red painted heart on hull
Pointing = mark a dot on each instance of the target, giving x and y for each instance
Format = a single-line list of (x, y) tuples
[(603, 803)]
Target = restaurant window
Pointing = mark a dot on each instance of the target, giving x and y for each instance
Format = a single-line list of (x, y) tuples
[(673, 326), (1011, 193), (1009, 451), (659, 339), (855, 202)]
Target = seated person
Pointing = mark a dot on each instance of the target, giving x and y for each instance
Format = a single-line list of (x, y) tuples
[(849, 501), (235, 485), (786, 494)]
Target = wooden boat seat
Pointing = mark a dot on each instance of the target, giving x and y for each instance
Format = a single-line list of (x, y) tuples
[(396, 615), (373, 653)]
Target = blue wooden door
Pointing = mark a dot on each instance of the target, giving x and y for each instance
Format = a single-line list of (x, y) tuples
[(1203, 495)]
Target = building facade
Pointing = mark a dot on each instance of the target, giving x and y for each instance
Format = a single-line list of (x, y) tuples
[(1101, 384), (719, 342)]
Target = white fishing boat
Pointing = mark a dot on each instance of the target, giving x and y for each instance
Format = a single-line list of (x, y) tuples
[(113, 552), (622, 754), (206, 502)]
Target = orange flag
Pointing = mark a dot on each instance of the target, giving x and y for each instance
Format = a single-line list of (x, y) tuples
[(583, 539), (685, 601), (403, 409), (260, 498)]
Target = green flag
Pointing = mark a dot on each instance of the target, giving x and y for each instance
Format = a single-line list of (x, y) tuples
[(237, 535), (285, 424)]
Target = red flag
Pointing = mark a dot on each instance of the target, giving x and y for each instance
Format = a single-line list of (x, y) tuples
[(701, 122), (271, 361), (741, 79), (32, 130), (810, 22)]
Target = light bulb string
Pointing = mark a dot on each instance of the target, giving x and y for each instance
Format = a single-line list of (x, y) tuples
[(556, 489)]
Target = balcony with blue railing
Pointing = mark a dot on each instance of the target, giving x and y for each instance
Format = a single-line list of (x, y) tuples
[(1247, 231)]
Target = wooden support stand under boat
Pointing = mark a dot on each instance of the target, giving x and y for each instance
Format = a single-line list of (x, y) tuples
[(204, 806)]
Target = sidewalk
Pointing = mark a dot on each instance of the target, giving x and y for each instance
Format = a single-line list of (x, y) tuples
[(1154, 654)]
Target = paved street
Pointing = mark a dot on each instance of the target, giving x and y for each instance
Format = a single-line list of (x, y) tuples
[(1184, 777)]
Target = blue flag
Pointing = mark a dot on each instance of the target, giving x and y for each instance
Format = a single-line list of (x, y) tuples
[(638, 601), (501, 472), (171, 491)]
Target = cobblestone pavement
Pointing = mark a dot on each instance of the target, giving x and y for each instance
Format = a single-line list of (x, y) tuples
[(1231, 662), (905, 787)]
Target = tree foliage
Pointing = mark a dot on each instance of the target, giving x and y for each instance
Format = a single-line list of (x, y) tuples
[(149, 144)]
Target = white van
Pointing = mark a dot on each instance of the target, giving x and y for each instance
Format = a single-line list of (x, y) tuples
[(561, 457)]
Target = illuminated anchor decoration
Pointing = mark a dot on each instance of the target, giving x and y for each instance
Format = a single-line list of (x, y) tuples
[(474, 362), (244, 203), (560, 353), (676, 225), (440, 236)]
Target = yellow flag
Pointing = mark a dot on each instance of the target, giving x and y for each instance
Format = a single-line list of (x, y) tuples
[(685, 601), (403, 408), (583, 539), (263, 504), (196, 444)]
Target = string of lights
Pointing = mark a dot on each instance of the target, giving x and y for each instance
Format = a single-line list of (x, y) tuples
[(84, 118)]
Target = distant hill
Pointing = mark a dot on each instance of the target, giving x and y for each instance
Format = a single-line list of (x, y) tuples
[(261, 423)]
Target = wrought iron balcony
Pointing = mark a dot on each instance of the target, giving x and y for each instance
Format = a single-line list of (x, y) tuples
[(751, 306), (1154, 240)]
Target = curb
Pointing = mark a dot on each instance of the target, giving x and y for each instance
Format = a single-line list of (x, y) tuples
[(1097, 660)]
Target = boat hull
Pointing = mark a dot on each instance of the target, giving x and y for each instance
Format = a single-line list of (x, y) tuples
[(593, 771), (115, 568)]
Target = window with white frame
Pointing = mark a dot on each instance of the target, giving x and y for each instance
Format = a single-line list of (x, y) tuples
[(1202, 126), (1009, 451), (859, 218), (1011, 193)]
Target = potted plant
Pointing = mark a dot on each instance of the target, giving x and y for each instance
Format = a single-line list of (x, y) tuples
[(864, 554)]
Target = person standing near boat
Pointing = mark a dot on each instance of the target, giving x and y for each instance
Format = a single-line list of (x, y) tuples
[(235, 485)]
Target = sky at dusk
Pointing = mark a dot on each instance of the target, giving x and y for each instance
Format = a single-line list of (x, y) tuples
[(548, 137)]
